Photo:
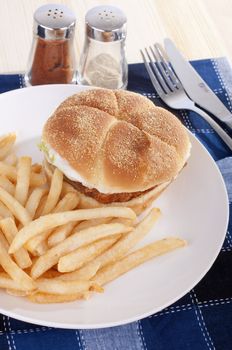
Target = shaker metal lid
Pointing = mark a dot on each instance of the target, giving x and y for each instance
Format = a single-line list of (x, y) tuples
[(106, 23), (54, 21)]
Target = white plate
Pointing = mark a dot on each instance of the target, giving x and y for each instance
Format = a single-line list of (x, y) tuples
[(194, 207)]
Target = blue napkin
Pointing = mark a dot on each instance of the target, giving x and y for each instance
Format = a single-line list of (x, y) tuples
[(202, 319)]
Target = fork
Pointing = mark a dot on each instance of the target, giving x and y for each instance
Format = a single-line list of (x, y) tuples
[(170, 89)]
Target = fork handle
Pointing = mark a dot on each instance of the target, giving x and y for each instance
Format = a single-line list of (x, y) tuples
[(225, 137)]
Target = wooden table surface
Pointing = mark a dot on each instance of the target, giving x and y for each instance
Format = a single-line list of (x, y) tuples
[(200, 28)]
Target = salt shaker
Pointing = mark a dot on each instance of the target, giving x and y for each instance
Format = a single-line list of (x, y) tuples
[(52, 59), (103, 62)]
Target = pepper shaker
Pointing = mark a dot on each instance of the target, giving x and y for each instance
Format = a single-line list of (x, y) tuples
[(103, 61), (52, 59)]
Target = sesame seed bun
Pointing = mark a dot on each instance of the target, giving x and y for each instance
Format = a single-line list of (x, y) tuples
[(118, 140)]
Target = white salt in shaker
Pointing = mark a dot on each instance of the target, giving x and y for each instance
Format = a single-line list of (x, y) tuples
[(103, 61)]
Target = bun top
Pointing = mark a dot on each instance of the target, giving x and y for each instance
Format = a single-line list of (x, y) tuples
[(118, 140)]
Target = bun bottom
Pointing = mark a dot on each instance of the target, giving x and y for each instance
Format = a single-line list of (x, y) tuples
[(138, 204)]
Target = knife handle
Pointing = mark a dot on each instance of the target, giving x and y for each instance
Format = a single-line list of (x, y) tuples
[(225, 137)]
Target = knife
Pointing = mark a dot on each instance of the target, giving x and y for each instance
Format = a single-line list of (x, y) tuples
[(195, 86)]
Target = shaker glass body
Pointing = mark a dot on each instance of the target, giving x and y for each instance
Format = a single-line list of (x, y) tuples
[(103, 64), (52, 59), (51, 62)]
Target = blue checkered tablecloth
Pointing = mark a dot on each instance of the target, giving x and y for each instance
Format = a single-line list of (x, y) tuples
[(202, 319)]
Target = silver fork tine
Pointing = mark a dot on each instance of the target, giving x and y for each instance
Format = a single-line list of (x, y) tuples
[(175, 98), (169, 71), (151, 75), (157, 73), (166, 79)]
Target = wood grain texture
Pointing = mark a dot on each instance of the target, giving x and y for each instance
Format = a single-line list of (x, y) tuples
[(200, 28)]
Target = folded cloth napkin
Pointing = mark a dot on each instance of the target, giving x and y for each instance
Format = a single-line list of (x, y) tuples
[(202, 319)]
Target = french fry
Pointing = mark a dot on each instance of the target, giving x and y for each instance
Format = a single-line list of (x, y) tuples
[(54, 192), (23, 179), (36, 168), (11, 286), (10, 231), (51, 274), (41, 248), (17, 292), (10, 172), (37, 180), (68, 202), (4, 151), (60, 233), (4, 243), (4, 211), (44, 298), (66, 188), (86, 273), (24, 281), (127, 222), (90, 223), (128, 241), (38, 245), (8, 283), (6, 143), (51, 257), (7, 185), (53, 220), (112, 271), (40, 208), (54, 286), (11, 159), (81, 256), (7, 139), (34, 200), (15, 207)]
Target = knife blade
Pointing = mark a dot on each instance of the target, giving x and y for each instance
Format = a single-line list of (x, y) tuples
[(195, 86)]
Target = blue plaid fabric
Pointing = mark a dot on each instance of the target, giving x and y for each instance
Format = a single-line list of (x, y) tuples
[(202, 319)]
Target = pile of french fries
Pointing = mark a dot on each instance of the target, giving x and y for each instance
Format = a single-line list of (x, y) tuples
[(53, 251)]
